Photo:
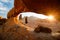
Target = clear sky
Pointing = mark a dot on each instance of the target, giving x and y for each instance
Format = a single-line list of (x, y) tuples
[(5, 6)]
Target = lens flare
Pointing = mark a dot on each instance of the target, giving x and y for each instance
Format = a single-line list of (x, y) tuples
[(51, 17), (41, 16)]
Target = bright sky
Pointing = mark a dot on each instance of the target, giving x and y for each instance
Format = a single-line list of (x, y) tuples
[(34, 14), (5, 6)]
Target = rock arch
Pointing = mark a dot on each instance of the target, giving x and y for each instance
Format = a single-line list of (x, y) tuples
[(40, 6)]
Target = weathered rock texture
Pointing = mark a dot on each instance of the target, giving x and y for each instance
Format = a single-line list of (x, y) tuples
[(40, 6), (42, 29)]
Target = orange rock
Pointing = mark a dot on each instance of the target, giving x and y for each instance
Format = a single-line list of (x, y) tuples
[(39, 6)]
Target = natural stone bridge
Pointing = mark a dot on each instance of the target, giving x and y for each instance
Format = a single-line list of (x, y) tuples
[(39, 6)]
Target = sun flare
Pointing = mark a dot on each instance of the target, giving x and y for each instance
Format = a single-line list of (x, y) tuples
[(41, 16), (51, 17)]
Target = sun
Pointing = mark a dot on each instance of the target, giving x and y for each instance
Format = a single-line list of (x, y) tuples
[(51, 17), (41, 16)]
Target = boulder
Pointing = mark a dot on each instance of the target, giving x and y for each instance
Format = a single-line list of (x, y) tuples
[(42, 29)]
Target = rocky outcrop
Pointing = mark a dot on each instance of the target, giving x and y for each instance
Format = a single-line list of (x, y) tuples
[(17, 31), (40, 6), (43, 30), (2, 21)]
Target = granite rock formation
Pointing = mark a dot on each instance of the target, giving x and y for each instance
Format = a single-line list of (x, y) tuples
[(39, 6)]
